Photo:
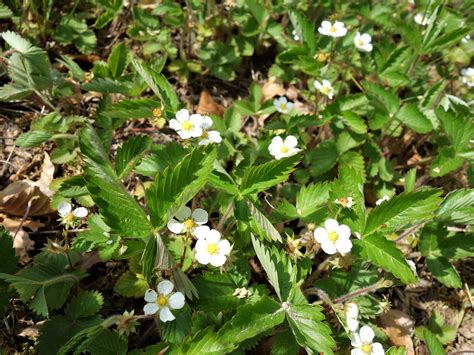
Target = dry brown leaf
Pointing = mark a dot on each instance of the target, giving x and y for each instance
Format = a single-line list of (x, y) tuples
[(208, 105), (398, 326), (22, 242), (14, 199), (272, 87)]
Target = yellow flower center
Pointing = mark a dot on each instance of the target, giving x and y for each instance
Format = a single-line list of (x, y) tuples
[(212, 248), (326, 90), (360, 42), (367, 348), (189, 223), (156, 112), (284, 149), (204, 134), (161, 301), (333, 236), (70, 217), (333, 29), (321, 57), (283, 106), (187, 125)]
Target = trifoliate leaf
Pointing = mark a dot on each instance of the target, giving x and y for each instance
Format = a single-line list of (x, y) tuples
[(131, 285), (413, 118)]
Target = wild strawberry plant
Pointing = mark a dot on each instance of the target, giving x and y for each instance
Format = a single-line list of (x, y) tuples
[(283, 223)]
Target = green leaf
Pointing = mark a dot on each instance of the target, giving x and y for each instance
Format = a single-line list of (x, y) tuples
[(120, 210), (444, 271), (204, 342), (446, 40), (306, 322), (178, 184), (262, 226), (262, 177), (132, 108), (413, 118), (85, 304), (5, 12), (129, 153), (32, 139), (111, 86), (161, 156), (384, 253), (175, 331), (458, 207), (323, 158), (311, 197), (436, 241), (402, 210), (458, 128), (118, 60), (381, 98), (354, 122), (130, 285), (432, 343)]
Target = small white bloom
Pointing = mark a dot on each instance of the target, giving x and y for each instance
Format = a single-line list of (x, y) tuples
[(412, 266), (334, 237), (324, 88), (363, 42), (69, 217), (210, 249), (352, 316), (363, 343), (382, 200), (187, 126), (282, 104), (466, 39), (186, 221), (242, 293), (346, 202), (337, 29), (468, 76), (422, 19), (163, 301), (280, 148), (296, 35), (209, 137)]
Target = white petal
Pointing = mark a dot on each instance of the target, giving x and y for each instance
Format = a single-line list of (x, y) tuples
[(329, 247), (150, 295), (321, 235), (326, 24), (183, 213), (196, 132), (201, 232), (277, 142), (218, 259), (355, 340), (289, 105), (352, 324), (150, 308), (176, 300), (366, 334), (201, 245), (291, 141), (357, 352), (175, 226), (206, 122), (196, 119), (327, 83), (343, 231), (80, 212), (366, 38), (318, 85), (331, 225), (182, 115), (203, 257), (293, 151), (185, 134), (368, 47), (224, 247), (200, 216), (377, 349), (352, 310), (283, 100), (165, 287), (343, 246), (174, 124), (214, 137), (214, 236), (64, 208), (166, 315)]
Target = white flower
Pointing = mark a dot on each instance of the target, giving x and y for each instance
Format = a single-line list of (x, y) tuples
[(325, 88), (69, 217), (187, 126), (362, 42), (210, 249), (412, 266), (382, 200), (296, 35), (242, 293), (163, 301), (208, 136), (422, 19), (363, 343), (280, 148), (466, 39), (334, 237), (337, 29), (468, 76), (185, 221), (346, 202), (352, 315), (282, 104)]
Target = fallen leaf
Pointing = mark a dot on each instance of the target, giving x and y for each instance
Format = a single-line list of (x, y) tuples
[(398, 326), (208, 105), (14, 199), (22, 242), (272, 87)]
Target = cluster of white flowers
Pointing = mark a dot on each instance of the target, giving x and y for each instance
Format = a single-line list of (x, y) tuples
[(352, 316), (422, 19), (69, 217), (362, 41), (334, 237), (210, 249), (282, 104), (195, 126), (242, 293), (163, 300), (468, 76), (280, 148)]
